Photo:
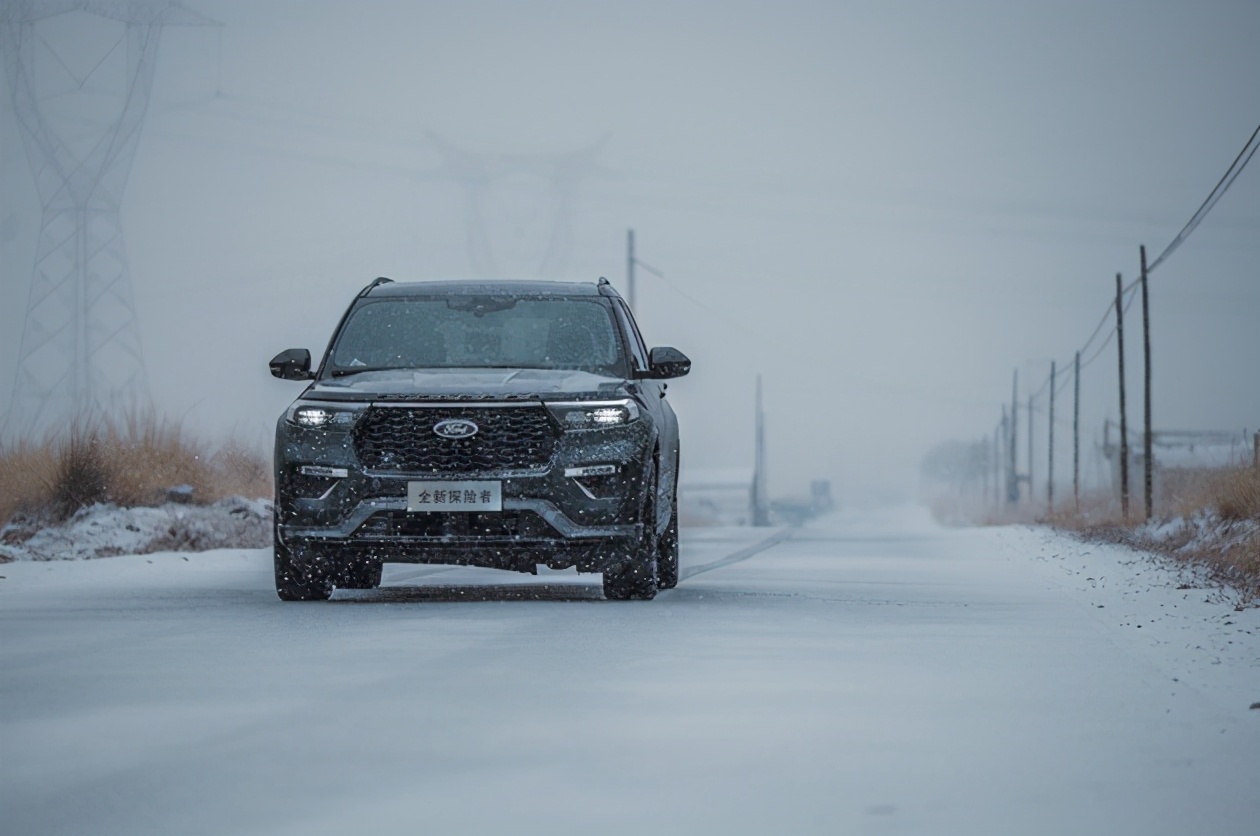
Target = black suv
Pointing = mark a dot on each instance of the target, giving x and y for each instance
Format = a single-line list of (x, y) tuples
[(498, 424)]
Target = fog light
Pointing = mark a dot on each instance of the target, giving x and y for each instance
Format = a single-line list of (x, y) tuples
[(591, 470), (320, 470)]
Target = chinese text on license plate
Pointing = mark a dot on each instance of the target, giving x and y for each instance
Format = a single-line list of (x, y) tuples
[(454, 496)]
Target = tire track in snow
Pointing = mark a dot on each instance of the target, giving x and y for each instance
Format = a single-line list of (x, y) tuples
[(743, 554)]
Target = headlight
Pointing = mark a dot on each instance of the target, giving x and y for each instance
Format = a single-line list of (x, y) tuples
[(594, 415), (324, 416)]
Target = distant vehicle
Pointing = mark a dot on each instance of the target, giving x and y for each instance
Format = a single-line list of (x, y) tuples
[(498, 424)]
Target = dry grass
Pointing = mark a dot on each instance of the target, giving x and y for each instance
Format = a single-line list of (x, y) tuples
[(1096, 510), (1233, 493), (1226, 540), (148, 456), (954, 509), (26, 469), (240, 470), (132, 462), (82, 473)]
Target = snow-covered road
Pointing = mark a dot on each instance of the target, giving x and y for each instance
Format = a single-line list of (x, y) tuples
[(872, 673)]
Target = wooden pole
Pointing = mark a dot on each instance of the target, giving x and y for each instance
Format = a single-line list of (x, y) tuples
[(1031, 492), (1147, 440), (997, 463), (1050, 465), (1006, 448), (982, 461), (1076, 434), (1012, 475), (630, 268), (1124, 424)]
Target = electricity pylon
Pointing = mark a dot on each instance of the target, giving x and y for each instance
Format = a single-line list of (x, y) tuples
[(81, 352), (477, 174)]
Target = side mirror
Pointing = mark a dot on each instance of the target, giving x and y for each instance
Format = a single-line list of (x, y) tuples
[(666, 363), (292, 364)]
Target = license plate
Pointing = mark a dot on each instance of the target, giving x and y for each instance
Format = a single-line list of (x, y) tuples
[(454, 496)]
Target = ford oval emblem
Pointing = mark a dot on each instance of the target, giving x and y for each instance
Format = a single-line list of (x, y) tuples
[(455, 428)]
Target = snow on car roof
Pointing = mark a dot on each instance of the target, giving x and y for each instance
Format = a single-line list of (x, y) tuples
[(497, 287)]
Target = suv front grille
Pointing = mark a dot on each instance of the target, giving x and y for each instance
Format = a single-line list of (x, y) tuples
[(401, 438)]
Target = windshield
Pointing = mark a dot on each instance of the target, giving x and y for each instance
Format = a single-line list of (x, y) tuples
[(479, 332)]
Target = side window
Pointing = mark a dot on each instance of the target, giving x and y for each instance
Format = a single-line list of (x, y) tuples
[(637, 349)]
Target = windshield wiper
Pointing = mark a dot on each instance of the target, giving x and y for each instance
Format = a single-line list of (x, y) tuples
[(359, 369)]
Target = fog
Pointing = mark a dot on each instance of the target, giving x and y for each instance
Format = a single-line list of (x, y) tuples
[(882, 208)]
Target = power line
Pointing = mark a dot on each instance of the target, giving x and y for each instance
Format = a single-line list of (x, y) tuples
[(1222, 186), (1098, 353)]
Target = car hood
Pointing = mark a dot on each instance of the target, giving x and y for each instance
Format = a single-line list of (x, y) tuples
[(465, 383)]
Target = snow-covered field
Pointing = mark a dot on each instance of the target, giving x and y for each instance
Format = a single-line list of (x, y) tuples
[(873, 673)]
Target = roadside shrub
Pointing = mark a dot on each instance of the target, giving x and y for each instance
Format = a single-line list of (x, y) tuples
[(26, 474), (82, 472), (132, 462), (240, 470), (148, 455), (1236, 494)]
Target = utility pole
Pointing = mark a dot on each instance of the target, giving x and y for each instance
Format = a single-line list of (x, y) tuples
[(1031, 492), (1146, 350), (630, 268), (982, 461), (1076, 434), (1005, 449), (1124, 424), (997, 463), (760, 502), (1050, 467), (1012, 476)]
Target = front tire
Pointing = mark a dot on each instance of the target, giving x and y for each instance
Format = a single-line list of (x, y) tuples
[(667, 550), (636, 578)]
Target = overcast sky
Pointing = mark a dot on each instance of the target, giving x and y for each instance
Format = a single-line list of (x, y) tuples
[(882, 207)]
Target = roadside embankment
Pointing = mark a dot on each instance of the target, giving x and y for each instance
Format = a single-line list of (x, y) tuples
[(1210, 523), (1214, 524)]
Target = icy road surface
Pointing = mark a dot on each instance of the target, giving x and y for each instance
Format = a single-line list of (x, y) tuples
[(872, 673)]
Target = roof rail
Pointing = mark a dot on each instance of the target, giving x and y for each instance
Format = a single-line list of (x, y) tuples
[(379, 280)]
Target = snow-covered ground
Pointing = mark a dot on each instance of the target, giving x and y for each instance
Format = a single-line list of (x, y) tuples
[(873, 673), (106, 530)]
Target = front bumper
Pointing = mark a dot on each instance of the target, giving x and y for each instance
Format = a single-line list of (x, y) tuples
[(547, 510), (547, 518)]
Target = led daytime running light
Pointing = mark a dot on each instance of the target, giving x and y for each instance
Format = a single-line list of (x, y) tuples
[(588, 415), (322, 416)]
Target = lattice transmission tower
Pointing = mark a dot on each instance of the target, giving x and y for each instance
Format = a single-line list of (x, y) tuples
[(80, 350), (560, 176)]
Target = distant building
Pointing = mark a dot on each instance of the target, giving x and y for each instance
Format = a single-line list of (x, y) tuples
[(715, 496), (1181, 458), (820, 496)]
